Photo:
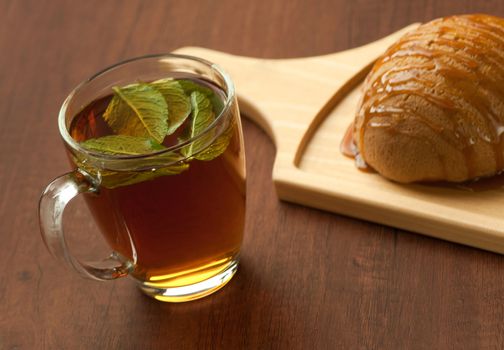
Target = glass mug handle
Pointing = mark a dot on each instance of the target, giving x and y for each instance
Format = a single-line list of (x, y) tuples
[(52, 204)]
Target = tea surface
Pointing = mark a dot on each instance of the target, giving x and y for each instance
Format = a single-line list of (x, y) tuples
[(178, 222)]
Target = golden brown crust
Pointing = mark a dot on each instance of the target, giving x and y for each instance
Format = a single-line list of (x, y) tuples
[(433, 104)]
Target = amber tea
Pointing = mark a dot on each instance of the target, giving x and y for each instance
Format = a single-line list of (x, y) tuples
[(176, 227), (161, 165)]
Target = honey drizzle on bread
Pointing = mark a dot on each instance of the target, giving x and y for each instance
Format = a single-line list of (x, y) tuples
[(440, 87)]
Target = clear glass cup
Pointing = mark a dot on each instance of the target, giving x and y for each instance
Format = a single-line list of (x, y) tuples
[(177, 235)]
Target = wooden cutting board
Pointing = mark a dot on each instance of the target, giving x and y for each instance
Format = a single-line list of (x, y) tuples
[(305, 105)]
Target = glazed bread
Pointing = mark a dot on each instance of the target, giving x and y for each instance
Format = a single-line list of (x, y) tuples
[(433, 104)]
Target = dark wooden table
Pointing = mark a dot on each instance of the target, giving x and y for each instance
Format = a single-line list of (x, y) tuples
[(308, 279)]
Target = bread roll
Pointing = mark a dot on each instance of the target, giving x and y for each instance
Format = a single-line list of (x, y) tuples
[(433, 104)]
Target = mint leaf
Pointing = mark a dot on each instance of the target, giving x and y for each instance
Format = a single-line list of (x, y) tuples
[(122, 144), (113, 179), (202, 117), (138, 110), (217, 103), (130, 145), (179, 106), (218, 146), (190, 86)]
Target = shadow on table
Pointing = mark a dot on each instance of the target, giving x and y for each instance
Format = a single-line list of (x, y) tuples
[(242, 314)]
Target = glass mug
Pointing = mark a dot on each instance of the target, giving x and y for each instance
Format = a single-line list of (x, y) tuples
[(178, 234)]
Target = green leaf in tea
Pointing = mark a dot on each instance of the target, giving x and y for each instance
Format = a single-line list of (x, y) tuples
[(217, 103), (143, 114), (190, 86), (130, 145), (202, 117), (179, 106), (138, 110), (217, 147), (112, 179), (122, 144)]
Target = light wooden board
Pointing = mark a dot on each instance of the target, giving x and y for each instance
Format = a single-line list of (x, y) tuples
[(305, 105)]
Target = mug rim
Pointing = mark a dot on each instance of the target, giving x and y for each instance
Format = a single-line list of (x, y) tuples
[(75, 146)]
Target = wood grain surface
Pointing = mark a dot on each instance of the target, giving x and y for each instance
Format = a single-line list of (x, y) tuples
[(308, 279)]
